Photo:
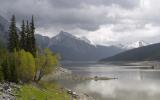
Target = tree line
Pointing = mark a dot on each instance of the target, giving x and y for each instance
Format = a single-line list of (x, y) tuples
[(22, 61), (25, 39)]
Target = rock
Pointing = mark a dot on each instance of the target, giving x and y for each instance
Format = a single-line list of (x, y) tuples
[(7, 91), (69, 91)]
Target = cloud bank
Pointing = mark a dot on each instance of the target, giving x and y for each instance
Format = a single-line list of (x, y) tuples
[(102, 21)]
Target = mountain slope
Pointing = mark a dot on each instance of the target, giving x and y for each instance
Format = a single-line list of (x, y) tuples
[(76, 49), (4, 26), (150, 52), (133, 45), (42, 41)]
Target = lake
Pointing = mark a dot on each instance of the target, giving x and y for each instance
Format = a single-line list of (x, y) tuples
[(134, 82)]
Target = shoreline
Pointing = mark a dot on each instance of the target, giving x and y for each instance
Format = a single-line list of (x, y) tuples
[(62, 73)]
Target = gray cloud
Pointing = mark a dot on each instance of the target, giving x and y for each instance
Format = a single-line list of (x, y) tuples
[(64, 13), (85, 17), (78, 3)]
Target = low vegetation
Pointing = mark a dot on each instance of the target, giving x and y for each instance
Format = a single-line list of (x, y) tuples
[(45, 91)]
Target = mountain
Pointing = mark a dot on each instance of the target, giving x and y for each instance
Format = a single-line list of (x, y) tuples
[(4, 26), (120, 46), (76, 49), (42, 41), (133, 45), (136, 44), (86, 40), (150, 52)]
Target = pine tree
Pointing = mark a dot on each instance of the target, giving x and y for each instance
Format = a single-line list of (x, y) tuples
[(6, 70), (13, 41), (33, 41), (13, 68), (23, 36), (28, 38)]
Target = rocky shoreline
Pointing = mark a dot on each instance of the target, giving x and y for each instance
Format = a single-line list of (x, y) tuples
[(79, 96), (7, 91)]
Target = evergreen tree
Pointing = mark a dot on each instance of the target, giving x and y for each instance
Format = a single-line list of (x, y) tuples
[(33, 41), (23, 36), (9, 67), (13, 42), (5, 69), (13, 67), (28, 38)]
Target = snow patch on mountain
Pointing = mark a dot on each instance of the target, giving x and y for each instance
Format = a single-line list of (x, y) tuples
[(137, 44), (133, 45), (83, 38), (65, 35), (62, 35)]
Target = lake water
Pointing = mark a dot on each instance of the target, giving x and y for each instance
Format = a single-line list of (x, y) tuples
[(133, 83)]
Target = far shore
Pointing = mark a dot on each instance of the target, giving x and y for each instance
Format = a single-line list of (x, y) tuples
[(155, 64)]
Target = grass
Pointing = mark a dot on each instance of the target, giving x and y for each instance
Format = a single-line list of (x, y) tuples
[(42, 91)]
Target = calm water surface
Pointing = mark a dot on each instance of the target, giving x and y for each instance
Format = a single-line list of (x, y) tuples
[(133, 83)]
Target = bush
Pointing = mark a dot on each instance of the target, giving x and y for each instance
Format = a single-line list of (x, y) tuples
[(18, 66), (25, 66), (22, 66)]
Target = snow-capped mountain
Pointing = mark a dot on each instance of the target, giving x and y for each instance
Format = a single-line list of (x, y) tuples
[(67, 39), (136, 44), (144, 53), (73, 48), (86, 40), (133, 45), (63, 35)]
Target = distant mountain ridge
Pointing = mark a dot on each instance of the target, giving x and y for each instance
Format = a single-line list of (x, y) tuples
[(73, 48), (145, 53), (4, 26), (137, 44), (133, 45)]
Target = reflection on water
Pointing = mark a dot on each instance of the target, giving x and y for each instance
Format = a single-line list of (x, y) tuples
[(132, 84)]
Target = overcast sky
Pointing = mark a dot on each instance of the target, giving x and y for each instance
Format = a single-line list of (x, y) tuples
[(101, 21)]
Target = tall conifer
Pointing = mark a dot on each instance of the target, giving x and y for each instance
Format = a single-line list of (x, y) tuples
[(33, 41), (13, 41), (23, 36), (28, 38)]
